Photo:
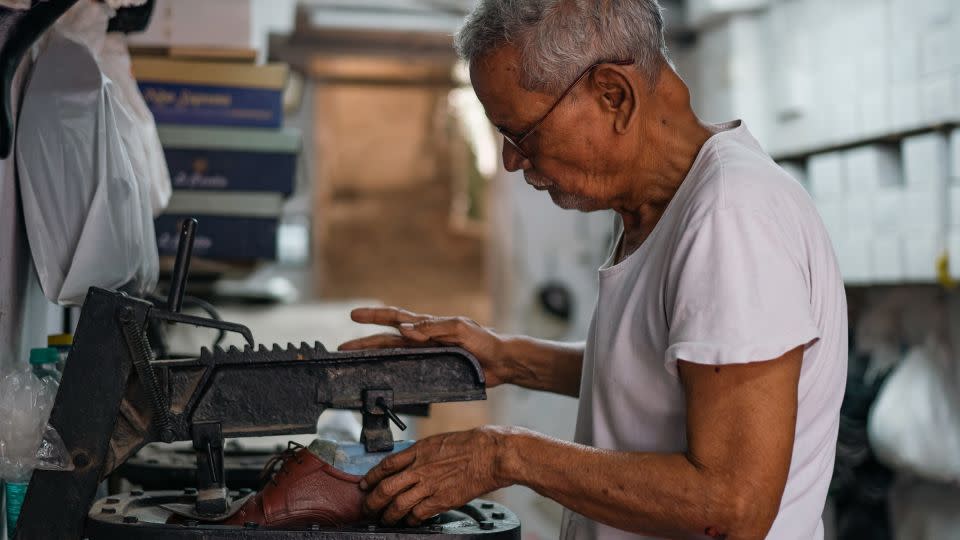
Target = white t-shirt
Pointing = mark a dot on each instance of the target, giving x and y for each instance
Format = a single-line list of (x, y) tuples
[(738, 269)]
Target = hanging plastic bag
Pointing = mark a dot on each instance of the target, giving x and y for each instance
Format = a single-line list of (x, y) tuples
[(88, 215), (142, 140), (914, 425)]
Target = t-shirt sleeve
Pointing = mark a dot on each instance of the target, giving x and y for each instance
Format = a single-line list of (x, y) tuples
[(736, 293)]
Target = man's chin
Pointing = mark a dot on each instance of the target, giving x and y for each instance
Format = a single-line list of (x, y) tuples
[(569, 201)]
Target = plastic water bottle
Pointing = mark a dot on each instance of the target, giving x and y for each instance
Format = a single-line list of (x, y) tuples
[(43, 362), (62, 343), (15, 492)]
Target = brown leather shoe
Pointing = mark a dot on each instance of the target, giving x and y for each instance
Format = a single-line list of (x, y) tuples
[(303, 491)]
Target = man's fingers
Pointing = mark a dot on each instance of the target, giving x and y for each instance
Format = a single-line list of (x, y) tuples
[(390, 465), (403, 503), (387, 490), (388, 316), (378, 341), (425, 509), (448, 330)]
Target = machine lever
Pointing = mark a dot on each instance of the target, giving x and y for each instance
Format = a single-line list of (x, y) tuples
[(393, 417), (181, 266)]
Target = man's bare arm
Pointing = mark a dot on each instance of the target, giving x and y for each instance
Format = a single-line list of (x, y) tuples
[(728, 484), (532, 363)]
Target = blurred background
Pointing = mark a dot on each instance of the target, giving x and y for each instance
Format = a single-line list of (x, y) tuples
[(377, 180)]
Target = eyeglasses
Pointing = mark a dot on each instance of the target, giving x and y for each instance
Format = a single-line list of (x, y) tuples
[(517, 140)]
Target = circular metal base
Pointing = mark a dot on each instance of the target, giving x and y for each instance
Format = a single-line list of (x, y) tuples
[(138, 516)]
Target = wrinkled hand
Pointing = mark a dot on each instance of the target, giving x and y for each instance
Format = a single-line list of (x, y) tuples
[(418, 330), (434, 475)]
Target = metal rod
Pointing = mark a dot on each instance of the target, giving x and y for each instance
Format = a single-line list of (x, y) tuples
[(178, 281)]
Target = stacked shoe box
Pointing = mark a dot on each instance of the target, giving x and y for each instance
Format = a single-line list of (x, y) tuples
[(953, 190), (219, 114), (235, 182)]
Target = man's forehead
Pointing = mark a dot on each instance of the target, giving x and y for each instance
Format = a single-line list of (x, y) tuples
[(496, 80)]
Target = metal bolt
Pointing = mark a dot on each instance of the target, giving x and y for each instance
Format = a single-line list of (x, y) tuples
[(315, 527), (486, 506), (487, 525), (250, 525), (130, 519), (166, 435), (80, 460), (108, 510), (190, 491), (136, 493), (371, 527), (498, 515), (126, 314), (112, 500)]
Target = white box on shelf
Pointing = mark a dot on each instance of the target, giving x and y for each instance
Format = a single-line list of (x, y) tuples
[(904, 105), (953, 251), (955, 155), (826, 174), (853, 256), (859, 209), (925, 160), (953, 213), (210, 23), (904, 59), (938, 48), (875, 112), (887, 214), (871, 166), (940, 98), (886, 258), (921, 247), (705, 12), (922, 208)]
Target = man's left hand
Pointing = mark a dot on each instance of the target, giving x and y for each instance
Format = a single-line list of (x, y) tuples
[(434, 475)]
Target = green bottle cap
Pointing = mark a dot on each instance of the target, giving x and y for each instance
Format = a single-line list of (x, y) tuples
[(44, 355)]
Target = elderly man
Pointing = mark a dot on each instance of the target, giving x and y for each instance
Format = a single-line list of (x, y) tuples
[(711, 380)]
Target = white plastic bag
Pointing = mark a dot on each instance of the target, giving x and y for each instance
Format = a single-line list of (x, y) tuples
[(88, 215), (914, 424), (142, 140)]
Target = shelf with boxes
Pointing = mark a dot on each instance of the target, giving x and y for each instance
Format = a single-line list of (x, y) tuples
[(892, 206), (232, 164)]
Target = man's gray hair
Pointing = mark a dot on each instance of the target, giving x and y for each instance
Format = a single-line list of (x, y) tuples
[(560, 38)]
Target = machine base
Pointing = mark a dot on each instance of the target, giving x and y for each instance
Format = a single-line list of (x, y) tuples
[(138, 516)]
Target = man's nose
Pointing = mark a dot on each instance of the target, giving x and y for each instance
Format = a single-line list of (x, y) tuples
[(513, 160)]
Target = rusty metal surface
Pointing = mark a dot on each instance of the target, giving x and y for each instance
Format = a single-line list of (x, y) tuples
[(105, 411)]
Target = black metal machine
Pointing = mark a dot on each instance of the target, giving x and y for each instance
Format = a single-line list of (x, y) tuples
[(115, 398)]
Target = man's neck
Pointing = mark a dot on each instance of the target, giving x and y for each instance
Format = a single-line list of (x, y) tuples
[(661, 168)]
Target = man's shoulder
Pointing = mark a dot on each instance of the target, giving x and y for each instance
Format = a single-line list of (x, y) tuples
[(736, 174)]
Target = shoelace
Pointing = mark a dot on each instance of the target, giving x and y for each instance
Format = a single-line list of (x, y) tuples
[(270, 470)]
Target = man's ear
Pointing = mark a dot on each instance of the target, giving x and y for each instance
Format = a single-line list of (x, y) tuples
[(618, 94)]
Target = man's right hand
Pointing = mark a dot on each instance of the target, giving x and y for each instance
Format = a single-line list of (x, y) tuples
[(418, 330)]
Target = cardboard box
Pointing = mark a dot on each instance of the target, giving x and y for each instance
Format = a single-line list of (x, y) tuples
[(231, 159), (210, 23)]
